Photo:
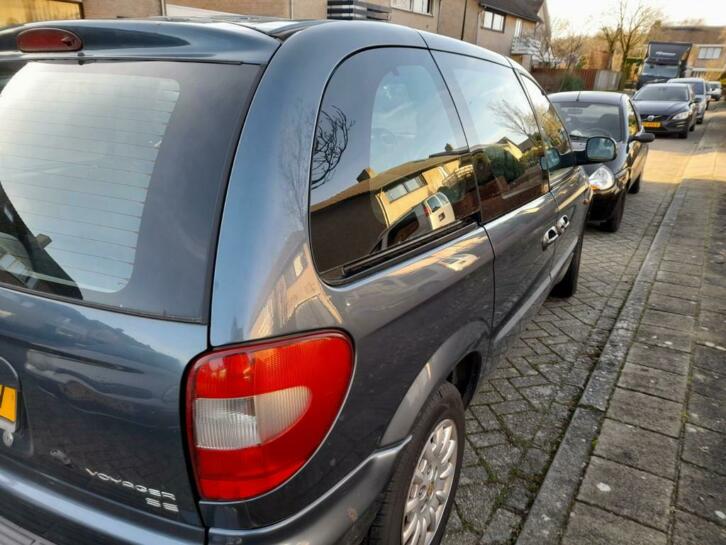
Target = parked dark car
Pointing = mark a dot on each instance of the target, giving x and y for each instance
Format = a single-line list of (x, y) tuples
[(667, 108), (596, 113), (700, 93), (203, 338)]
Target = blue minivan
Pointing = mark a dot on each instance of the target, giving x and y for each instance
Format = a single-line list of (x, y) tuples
[(252, 272)]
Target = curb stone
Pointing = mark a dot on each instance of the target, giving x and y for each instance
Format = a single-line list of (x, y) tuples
[(548, 516)]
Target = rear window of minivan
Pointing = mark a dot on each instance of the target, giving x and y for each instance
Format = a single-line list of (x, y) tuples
[(111, 178)]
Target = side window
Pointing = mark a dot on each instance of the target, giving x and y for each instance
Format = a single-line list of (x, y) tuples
[(556, 141), (390, 165), (502, 132), (633, 121)]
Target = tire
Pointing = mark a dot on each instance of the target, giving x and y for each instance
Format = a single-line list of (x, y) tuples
[(692, 128), (699, 121), (568, 285), (635, 188), (683, 135), (443, 408), (613, 224)]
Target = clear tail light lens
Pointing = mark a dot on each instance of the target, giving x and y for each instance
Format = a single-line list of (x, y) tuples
[(257, 413)]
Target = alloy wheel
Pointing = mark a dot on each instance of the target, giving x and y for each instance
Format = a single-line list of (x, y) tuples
[(431, 485)]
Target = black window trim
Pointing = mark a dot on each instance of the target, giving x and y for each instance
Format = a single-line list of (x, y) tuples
[(567, 169), (363, 267)]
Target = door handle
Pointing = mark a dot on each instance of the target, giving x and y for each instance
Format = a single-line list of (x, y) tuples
[(562, 224), (549, 237)]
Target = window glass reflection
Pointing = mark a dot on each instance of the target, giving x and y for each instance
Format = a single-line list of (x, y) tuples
[(389, 163), (502, 130), (553, 131)]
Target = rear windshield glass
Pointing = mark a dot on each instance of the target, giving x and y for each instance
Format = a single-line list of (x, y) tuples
[(111, 176), (585, 120), (698, 86), (663, 92)]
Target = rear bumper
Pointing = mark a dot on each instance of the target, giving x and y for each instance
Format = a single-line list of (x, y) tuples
[(342, 516), (50, 513), (30, 512)]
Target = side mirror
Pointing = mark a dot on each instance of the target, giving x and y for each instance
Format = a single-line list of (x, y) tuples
[(599, 149), (643, 137)]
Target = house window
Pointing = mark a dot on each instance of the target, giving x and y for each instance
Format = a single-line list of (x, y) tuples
[(493, 21), (709, 53), (417, 6), (398, 190), (517, 28)]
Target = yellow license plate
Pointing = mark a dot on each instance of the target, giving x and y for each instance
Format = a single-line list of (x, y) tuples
[(8, 408), (651, 124)]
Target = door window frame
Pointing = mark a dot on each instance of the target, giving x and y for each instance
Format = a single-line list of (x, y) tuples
[(565, 169), (389, 257)]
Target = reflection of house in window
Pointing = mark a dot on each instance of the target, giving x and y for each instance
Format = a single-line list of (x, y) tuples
[(398, 190)]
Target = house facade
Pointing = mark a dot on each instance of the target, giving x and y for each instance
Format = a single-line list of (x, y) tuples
[(708, 54), (514, 28)]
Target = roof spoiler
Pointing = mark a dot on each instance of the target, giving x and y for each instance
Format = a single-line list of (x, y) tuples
[(140, 39)]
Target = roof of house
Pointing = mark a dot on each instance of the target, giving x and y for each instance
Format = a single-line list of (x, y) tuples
[(526, 9)]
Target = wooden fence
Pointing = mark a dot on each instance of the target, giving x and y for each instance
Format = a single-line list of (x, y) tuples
[(551, 79)]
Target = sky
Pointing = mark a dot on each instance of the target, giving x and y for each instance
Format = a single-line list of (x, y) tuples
[(587, 15)]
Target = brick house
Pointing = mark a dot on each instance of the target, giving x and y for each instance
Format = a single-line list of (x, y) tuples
[(708, 54)]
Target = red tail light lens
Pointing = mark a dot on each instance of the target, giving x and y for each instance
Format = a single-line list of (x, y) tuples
[(257, 413), (40, 40)]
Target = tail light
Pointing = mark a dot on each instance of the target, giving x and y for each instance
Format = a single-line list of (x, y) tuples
[(257, 413), (37, 40)]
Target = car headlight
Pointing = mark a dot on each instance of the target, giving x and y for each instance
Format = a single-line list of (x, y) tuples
[(681, 115), (602, 178)]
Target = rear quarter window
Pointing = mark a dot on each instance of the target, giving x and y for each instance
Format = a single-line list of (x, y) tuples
[(390, 164), (111, 176)]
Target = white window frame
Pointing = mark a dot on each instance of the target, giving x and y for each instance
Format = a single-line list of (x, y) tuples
[(424, 7), (710, 52), (493, 20)]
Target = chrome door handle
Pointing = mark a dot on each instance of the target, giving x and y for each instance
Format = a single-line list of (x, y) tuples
[(549, 237), (562, 224)]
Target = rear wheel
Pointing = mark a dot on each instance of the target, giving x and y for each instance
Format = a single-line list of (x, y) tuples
[(419, 498), (568, 285), (684, 133), (613, 224)]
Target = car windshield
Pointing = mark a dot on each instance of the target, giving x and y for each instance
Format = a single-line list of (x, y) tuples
[(698, 86), (660, 70), (584, 120), (669, 93)]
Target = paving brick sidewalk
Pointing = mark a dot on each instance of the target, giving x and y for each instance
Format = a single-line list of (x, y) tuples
[(658, 470), (650, 435), (520, 416)]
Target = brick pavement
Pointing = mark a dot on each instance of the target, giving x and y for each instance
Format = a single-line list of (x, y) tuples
[(519, 417)]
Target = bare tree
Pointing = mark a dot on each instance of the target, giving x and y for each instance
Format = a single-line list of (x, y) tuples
[(543, 42), (331, 140), (568, 45), (634, 19), (611, 35)]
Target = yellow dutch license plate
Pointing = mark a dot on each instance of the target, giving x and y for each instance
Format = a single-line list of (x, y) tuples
[(651, 124), (8, 408)]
